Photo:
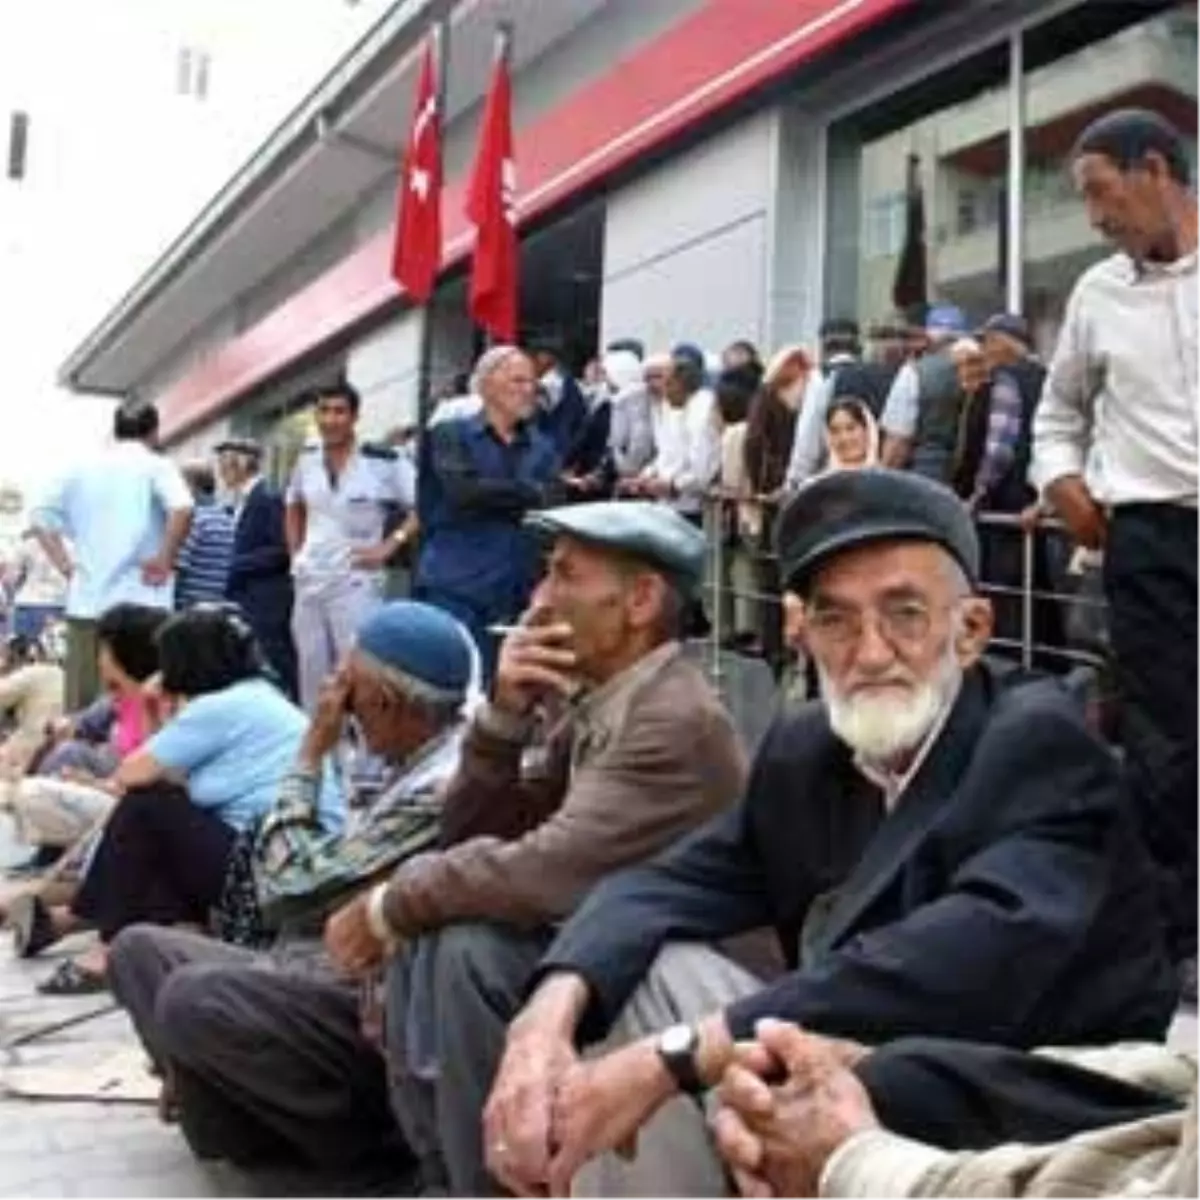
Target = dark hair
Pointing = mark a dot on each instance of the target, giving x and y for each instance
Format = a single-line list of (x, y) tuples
[(746, 347), (688, 372), (632, 345), (201, 480), (734, 391), (22, 649), (206, 649), (852, 406), (135, 422), (130, 633), (1127, 135), (840, 334), (340, 389)]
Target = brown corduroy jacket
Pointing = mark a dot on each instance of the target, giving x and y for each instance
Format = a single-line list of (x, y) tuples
[(644, 760)]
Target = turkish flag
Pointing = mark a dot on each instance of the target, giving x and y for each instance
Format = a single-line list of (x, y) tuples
[(490, 208), (417, 251)]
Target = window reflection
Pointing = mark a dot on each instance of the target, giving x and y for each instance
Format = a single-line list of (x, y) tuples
[(956, 124), (1150, 64)]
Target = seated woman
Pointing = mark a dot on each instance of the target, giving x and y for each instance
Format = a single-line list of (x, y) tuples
[(213, 770), (67, 794), (851, 435), (31, 697)]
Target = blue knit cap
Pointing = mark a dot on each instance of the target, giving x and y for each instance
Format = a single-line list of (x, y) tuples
[(422, 649)]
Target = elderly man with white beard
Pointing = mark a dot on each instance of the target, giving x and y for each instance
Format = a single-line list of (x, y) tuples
[(940, 843)]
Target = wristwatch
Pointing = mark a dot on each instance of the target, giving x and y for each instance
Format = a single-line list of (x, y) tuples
[(677, 1046)]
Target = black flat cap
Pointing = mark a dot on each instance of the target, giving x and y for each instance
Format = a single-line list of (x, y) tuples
[(847, 509)]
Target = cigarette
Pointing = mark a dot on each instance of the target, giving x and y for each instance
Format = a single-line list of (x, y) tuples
[(503, 630)]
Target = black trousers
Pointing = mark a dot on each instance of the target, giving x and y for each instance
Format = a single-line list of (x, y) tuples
[(161, 860), (970, 1096), (1150, 581)]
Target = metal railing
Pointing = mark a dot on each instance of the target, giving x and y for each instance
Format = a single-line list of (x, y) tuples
[(1035, 598)]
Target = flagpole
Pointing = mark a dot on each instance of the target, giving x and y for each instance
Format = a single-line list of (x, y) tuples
[(504, 41), (501, 54), (440, 34)]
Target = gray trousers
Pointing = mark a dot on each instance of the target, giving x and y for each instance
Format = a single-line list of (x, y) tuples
[(266, 1051), (326, 618), (480, 976)]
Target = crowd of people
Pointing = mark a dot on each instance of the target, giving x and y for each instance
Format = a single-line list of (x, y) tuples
[(480, 886)]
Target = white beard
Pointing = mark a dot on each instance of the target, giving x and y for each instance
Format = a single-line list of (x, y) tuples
[(880, 728)]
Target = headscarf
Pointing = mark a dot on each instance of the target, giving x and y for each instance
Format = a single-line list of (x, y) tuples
[(872, 430)]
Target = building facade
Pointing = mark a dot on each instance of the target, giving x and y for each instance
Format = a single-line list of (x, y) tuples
[(686, 169)]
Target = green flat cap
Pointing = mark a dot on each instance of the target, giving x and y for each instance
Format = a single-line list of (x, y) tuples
[(649, 532)]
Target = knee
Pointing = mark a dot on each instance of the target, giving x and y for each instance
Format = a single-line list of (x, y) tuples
[(136, 804), (191, 1013), (128, 954), (479, 973), (468, 958)]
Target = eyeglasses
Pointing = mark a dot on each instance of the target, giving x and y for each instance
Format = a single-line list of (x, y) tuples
[(901, 622)]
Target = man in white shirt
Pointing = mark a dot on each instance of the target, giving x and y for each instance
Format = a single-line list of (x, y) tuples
[(126, 513), (687, 444), (1115, 456), (338, 502)]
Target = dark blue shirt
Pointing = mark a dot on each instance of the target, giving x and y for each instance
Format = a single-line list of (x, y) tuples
[(473, 491)]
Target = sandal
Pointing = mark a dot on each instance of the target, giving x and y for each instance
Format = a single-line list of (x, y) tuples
[(70, 979), (33, 930)]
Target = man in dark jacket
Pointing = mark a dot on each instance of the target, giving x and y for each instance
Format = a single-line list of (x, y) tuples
[(943, 848), (260, 578)]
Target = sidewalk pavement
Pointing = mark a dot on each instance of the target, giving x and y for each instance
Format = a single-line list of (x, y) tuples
[(91, 1149)]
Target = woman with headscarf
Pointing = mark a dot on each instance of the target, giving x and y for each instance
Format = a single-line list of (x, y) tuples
[(851, 435), (770, 430)]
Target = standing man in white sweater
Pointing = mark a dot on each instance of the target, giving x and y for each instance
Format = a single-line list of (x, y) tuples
[(1115, 455)]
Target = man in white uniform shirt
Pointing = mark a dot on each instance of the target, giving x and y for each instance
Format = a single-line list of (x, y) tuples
[(338, 501), (1115, 456), (126, 514)]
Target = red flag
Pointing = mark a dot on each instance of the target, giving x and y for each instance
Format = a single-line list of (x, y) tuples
[(417, 252), (490, 208)]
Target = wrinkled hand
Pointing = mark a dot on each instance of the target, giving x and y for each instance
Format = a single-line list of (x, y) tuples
[(60, 730), (156, 571), (536, 660), (1030, 517), (780, 1137), (349, 940), (517, 1120), (371, 558), (601, 1105), (657, 489), (329, 717), (1079, 512)]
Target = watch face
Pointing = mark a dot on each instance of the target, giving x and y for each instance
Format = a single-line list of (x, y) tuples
[(676, 1040)]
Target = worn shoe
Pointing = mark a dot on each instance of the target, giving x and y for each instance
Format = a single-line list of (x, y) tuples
[(1187, 981), (31, 925)]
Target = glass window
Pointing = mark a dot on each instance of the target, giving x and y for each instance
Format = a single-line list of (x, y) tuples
[(1074, 70), (938, 150)]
